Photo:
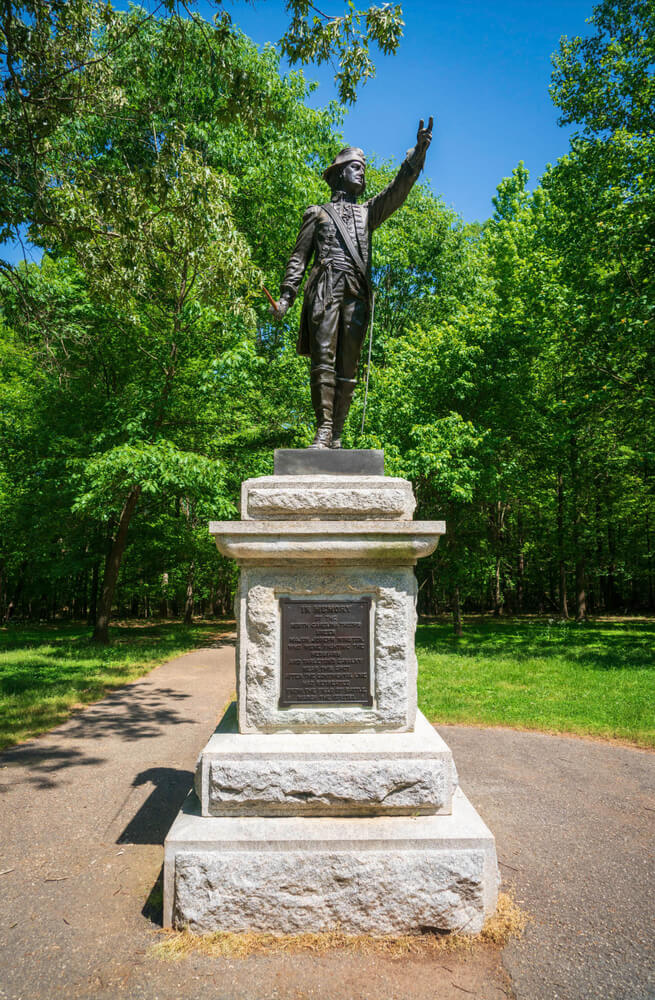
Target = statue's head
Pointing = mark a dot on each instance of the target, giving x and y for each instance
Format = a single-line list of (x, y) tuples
[(347, 172)]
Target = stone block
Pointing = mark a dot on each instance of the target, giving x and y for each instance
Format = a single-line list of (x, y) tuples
[(271, 498), (288, 875), (311, 774), (393, 660)]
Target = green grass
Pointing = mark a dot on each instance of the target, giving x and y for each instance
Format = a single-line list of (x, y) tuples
[(48, 671), (595, 679)]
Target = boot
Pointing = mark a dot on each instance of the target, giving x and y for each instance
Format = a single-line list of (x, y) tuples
[(342, 400), (323, 381)]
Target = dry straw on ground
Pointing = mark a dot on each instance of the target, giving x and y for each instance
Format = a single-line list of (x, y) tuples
[(507, 922)]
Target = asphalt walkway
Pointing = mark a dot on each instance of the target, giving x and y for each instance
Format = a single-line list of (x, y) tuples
[(85, 809)]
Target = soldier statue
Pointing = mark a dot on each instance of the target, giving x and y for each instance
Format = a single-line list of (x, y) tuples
[(337, 300)]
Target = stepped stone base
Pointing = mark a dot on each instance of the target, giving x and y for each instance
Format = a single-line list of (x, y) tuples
[(315, 774), (286, 875), (335, 805)]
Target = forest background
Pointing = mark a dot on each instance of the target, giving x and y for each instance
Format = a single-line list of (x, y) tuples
[(163, 163)]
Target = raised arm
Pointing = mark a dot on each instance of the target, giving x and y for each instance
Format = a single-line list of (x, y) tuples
[(298, 262), (392, 197)]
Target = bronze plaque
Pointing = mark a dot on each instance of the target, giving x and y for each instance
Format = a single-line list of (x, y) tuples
[(325, 652)]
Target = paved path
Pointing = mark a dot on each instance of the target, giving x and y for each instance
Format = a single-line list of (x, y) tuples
[(85, 809), (575, 832)]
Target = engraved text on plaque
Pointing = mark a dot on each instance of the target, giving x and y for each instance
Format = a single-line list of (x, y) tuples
[(325, 652)]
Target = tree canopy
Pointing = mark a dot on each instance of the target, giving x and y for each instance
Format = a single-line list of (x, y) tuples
[(163, 165)]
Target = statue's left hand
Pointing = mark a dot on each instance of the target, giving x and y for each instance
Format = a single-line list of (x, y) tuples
[(424, 136)]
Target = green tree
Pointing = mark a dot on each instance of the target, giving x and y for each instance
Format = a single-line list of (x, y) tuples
[(605, 83), (59, 60), (154, 218)]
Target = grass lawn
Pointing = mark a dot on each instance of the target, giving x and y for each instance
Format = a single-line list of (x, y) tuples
[(596, 678), (48, 670)]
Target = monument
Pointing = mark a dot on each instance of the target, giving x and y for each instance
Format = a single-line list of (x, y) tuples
[(325, 799), (337, 299)]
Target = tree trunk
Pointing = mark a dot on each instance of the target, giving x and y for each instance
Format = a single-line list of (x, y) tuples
[(611, 568), (93, 602), (85, 594), (457, 614), (578, 544), (451, 541), (520, 562), (649, 564), (164, 606), (498, 597), (498, 530), (581, 594), (188, 604), (112, 568), (563, 604), (599, 601), (13, 603), (649, 558)]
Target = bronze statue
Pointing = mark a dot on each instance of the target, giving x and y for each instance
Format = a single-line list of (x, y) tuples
[(337, 300)]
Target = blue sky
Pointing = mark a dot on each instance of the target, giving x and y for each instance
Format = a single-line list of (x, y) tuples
[(481, 68)]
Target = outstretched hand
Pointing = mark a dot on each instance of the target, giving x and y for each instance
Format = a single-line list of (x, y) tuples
[(424, 135)]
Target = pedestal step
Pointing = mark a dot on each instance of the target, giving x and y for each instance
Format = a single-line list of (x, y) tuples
[(379, 875), (315, 774), (347, 498)]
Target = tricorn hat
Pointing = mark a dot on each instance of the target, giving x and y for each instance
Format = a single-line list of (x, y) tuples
[(346, 155)]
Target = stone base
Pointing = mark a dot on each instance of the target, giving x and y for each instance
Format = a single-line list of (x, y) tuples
[(287, 875), (313, 774)]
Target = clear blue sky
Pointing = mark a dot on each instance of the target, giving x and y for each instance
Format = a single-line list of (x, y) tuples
[(481, 68)]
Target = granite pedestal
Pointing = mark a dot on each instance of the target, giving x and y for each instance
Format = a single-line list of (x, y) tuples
[(324, 799)]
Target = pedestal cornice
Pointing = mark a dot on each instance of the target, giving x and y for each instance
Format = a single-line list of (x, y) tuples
[(400, 542)]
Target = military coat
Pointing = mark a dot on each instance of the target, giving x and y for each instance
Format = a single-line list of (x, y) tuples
[(320, 242)]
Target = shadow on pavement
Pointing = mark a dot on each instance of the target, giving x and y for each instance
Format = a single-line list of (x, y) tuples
[(155, 817), (133, 713), (153, 908)]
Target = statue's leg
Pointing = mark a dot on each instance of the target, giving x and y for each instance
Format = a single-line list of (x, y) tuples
[(323, 343), (354, 321), (323, 382)]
